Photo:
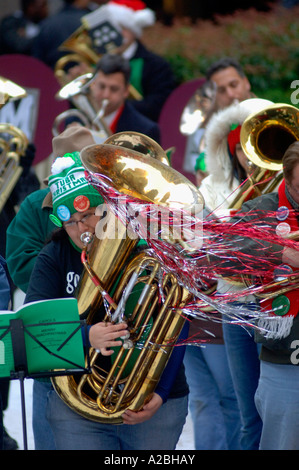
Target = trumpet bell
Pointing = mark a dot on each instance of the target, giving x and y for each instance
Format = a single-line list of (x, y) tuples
[(266, 135)]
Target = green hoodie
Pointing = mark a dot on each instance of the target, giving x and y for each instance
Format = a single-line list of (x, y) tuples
[(26, 236)]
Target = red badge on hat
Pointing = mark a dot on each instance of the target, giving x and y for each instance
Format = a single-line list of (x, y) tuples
[(81, 203)]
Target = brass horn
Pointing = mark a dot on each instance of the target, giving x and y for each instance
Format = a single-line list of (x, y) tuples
[(121, 274), (199, 108), (77, 92), (140, 143), (10, 91), (13, 143), (265, 136), (12, 149), (80, 48)]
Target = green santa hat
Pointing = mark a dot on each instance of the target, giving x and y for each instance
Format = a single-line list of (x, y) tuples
[(71, 192)]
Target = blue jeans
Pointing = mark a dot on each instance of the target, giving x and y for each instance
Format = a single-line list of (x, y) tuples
[(243, 357), (42, 432), (74, 432), (277, 399), (213, 404)]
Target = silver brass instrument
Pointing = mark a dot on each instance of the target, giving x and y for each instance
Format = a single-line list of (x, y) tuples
[(129, 381), (265, 136), (13, 143), (199, 109), (77, 92)]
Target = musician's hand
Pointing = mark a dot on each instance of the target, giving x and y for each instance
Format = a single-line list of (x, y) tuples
[(149, 409), (103, 336)]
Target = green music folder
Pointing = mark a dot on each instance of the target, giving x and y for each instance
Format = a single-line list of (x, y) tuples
[(52, 334)]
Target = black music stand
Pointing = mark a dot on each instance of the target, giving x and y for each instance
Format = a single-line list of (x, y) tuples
[(17, 330)]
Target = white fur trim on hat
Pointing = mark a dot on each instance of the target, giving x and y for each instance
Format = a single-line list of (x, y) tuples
[(121, 16), (216, 152), (60, 164)]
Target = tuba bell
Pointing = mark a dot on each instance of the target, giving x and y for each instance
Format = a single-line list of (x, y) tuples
[(265, 136), (125, 275), (140, 143)]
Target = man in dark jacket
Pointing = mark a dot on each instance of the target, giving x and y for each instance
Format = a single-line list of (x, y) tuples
[(152, 76), (111, 83)]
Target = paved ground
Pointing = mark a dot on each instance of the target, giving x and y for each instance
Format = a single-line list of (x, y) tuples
[(14, 425)]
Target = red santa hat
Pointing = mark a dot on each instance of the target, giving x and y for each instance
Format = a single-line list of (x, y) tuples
[(133, 4), (131, 14)]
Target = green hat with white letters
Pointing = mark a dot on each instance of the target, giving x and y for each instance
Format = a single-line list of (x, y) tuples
[(71, 191)]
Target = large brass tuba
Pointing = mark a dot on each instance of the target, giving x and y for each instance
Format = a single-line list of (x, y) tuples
[(13, 143), (121, 274), (265, 136)]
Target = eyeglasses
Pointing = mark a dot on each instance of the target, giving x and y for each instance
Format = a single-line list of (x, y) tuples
[(87, 220)]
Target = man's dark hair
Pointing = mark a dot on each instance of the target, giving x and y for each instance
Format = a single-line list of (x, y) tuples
[(114, 63), (223, 64)]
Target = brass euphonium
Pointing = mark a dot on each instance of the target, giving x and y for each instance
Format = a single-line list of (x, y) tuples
[(80, 48), (265, 136), (77, 92), (199, 109), (13, 143), (153, 317)]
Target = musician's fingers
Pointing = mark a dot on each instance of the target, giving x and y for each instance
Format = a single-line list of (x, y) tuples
[(103, 335)]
